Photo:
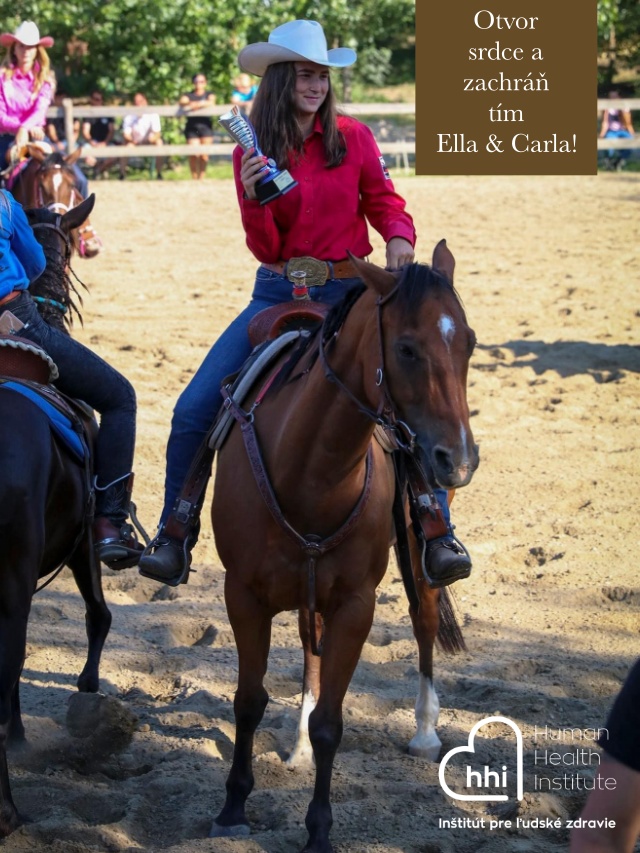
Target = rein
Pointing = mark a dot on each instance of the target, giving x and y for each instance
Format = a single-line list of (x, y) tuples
[(312, 546), (385, 415), (55, 227)]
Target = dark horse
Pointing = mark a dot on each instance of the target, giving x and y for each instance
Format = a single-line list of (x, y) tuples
[(303, 500), (44, 498), (47, 180)]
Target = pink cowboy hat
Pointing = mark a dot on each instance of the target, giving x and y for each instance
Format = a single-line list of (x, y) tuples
[(27, 34)]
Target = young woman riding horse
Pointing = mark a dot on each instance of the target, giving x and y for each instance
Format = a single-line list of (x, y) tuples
[(342, 182), (83, 375)]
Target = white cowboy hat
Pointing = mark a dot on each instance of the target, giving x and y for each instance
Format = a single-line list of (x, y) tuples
[(291, 42), (27, 34)]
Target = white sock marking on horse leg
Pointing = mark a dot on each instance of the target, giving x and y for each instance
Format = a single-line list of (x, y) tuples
[(426, 743), (302, 753)]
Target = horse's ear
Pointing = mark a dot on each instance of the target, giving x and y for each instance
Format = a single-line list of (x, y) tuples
[(78, 214), (36, 152), (373, 276), (443, 260), (72, 159)]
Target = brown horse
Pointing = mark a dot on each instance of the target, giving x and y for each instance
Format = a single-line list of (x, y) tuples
[(44, 512), (303, 499), (48, 181)]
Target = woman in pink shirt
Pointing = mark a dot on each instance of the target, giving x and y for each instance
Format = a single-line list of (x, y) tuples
[(342, 185), (26, 87)]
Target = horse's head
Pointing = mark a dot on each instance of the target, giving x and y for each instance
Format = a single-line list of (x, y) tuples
[(426, 346), (53, 289), (55, 187)]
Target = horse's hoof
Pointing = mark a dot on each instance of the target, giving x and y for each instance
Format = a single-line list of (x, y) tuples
[(426, 746), (300, 760), (9, 821), (240, 830)]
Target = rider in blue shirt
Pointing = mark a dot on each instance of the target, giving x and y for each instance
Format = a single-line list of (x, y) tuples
[(83, 375)]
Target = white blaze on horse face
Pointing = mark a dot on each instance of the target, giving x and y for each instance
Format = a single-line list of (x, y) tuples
[(57, 181), (426, 743), (447, 329)]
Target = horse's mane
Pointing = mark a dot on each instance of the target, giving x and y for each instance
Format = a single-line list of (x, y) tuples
[(54, 288), (414, 283)]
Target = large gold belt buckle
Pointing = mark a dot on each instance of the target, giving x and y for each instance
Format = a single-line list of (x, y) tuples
[(316, 272)]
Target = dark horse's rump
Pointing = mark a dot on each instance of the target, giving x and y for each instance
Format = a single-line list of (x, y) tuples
[(43, 510)]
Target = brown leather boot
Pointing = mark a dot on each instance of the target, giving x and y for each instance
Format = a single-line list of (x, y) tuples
[(115, 539)]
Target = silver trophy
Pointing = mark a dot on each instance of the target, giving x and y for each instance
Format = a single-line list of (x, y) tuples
[(274, 182)]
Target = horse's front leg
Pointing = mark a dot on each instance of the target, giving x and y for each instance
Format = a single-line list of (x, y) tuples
[(86, 571), (251, 625), (346, 630), (425, 743), (13, 637), (302, 753)]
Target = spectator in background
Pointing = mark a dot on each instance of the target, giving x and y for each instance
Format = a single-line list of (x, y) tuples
[(244, 91), (26, 88), (617, 124), (199, 129), (612, 812), (57, 136), (143, 130), (56, 130), (98, 133)]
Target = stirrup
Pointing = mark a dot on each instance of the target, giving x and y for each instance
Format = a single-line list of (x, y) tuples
[(161, 539), (443, 541)]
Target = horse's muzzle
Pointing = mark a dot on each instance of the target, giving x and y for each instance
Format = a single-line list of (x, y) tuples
[(453, 469)]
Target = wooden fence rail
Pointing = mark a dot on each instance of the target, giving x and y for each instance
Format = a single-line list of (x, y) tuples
[(400, 149)]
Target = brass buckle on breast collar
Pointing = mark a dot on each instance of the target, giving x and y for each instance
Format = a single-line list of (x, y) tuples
[(316, 272)]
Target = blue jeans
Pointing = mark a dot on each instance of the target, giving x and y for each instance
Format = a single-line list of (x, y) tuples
[(85, 376), (622, 153), (200, 402)]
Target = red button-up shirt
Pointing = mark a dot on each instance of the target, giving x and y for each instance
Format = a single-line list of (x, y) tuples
[(326, 214)]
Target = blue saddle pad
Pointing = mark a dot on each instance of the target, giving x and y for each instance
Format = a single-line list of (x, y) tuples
[(60, 424)]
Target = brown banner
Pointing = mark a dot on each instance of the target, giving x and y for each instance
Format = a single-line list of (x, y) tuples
[(506, 87)]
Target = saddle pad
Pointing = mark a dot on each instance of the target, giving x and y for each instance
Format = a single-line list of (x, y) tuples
[(60, 424), (258, 362)]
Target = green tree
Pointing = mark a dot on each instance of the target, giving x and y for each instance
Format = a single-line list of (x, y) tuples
[(156, 46), (618, 36)]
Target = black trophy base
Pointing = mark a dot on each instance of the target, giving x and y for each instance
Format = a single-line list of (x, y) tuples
[(275, 186)]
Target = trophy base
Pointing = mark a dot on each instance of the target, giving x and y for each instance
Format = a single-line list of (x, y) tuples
[(275, 186)]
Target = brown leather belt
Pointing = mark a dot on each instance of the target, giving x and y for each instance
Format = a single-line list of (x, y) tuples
[(10, 296), (316, 272)]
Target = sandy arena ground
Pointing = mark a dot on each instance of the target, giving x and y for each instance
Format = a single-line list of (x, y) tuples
[(548, 269)]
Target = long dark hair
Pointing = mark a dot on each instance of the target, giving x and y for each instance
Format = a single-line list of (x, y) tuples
[(273, 116)]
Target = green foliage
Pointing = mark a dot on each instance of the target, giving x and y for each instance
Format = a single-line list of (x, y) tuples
[(618, 36), (155, 46)]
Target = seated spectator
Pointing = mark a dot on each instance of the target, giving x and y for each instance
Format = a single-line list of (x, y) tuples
[(143, 130), (617, 124), (56, 134), (98, 133), (244, 91), (56, 130)]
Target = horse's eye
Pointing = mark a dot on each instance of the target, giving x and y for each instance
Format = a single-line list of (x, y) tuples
[(406, 352)]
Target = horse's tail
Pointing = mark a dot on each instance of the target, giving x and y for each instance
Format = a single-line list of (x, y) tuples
[(449, 637)]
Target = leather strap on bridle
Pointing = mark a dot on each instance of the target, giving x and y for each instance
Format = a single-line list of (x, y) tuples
[(313, 546)]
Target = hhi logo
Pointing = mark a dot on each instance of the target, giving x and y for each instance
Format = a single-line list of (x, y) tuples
[(488, 778)]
